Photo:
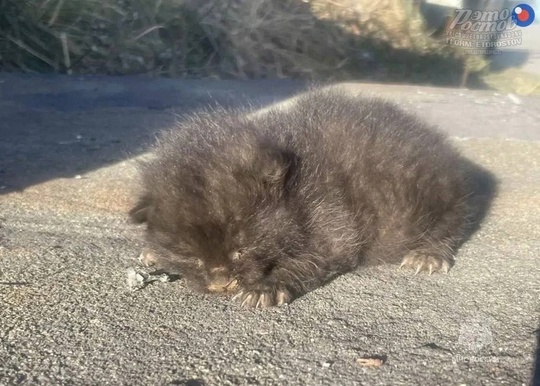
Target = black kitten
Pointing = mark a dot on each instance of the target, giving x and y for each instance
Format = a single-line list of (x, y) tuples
[(272, 205)]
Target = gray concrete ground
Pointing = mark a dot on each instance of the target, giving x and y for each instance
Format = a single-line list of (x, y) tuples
[(67, 150)]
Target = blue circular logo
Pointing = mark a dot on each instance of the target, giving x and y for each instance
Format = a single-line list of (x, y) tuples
[(523, 15)]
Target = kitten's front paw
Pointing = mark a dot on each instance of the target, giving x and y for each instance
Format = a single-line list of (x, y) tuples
[(261, 299), (425, 262), (148, 258)]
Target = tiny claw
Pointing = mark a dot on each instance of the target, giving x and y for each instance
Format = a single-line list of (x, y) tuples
[(260, 302), (238, 295), (419, 269), (282, 298), (430, 269), (446, 268), (246, 300)]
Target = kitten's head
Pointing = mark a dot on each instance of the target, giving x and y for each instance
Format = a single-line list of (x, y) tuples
[(221, 220)]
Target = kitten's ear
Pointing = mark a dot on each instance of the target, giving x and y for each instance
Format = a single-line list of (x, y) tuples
[(280, 166), (139, 213)]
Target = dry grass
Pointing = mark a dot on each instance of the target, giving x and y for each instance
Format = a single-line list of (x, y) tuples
[(514, 81), (313, 39)]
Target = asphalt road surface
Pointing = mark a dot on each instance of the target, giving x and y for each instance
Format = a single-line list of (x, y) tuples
[(67, 154)]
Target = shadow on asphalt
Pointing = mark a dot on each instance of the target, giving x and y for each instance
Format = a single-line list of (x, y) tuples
[(535, 381), (60, 127), (79, 126), (483, 190)]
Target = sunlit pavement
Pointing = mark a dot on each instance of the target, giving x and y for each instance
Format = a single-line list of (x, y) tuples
[(68, 148)]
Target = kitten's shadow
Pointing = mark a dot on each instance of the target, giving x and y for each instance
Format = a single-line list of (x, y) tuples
[(171, 276), (482, 185)]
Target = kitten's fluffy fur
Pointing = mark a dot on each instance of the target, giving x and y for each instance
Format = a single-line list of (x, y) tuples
[(272, 205)]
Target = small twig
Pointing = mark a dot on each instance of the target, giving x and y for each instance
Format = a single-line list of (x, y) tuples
[(32, 52), (65, 50), (373, 362), (56, 12), (147, 31)]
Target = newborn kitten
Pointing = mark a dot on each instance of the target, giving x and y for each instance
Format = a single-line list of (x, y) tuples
[(272, 205)]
